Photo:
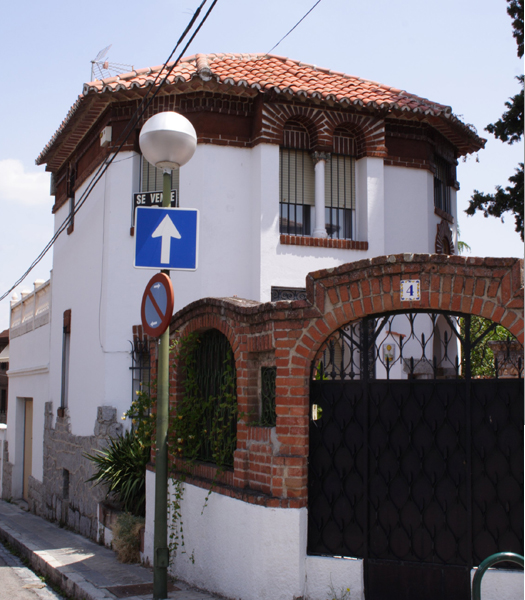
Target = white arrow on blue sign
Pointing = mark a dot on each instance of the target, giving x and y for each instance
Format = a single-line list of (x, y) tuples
[(166, 238)]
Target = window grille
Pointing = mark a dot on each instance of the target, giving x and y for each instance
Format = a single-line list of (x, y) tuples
[(3, 404), (211, 392), (140, 365), (268, 414), (296, 181), (296, 185), (151, 178), (441, 188), (66, 350), (340, 196)]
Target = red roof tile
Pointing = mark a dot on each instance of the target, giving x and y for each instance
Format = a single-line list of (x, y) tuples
[(276, 73)]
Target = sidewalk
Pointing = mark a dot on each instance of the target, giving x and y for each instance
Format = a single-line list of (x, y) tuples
[(81, 568)]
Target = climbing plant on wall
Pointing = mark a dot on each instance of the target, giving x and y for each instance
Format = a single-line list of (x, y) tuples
[(204, 426)]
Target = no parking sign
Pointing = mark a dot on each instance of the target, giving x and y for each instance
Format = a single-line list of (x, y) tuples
[(157, 305)]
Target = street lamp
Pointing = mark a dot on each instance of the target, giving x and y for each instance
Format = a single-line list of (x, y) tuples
[(167, 140)]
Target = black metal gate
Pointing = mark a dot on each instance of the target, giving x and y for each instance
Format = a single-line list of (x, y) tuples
[(416, 451)]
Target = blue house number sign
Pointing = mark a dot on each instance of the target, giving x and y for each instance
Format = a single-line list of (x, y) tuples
[(410, 290)]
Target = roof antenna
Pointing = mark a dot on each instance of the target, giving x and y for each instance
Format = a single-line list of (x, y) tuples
[(101, 68)]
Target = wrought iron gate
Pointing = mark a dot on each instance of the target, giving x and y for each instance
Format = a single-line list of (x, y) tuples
[(416, 451)]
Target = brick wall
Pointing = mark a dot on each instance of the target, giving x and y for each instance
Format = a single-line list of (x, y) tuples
[(271, 463)]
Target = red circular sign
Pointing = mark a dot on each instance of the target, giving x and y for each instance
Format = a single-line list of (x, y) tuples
[(157, 305)]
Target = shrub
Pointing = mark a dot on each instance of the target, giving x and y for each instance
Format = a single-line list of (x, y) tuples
[(122, 466), (126, 537)]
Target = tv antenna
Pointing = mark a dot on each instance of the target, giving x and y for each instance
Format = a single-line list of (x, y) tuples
[(101, 68)]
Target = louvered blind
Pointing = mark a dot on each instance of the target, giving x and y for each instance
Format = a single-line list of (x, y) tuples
[(296, 177), (151, 178), (340, 182)]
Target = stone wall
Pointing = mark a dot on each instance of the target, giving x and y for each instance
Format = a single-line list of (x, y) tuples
[(7, 475), (65, 496)]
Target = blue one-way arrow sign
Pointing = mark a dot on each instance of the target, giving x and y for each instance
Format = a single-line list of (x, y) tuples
[(166, 238)]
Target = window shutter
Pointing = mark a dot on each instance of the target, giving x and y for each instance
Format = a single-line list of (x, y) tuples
[(297, 180), (151, 178), (340, 182)]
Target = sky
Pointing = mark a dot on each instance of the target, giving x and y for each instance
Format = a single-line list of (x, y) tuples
[(456, 52)]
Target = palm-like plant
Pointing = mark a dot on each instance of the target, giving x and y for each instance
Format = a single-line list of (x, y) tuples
[(122, 466)]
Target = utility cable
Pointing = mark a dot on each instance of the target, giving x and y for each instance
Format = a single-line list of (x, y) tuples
[(127, 132), (298, 23)]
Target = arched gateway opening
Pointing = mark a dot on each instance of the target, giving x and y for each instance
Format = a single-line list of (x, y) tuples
[(416, 450)]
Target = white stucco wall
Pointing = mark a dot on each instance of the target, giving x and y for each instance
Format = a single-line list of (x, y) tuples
[(500, 584), (95, 278), (250, 552), (236, 191), (409, 209), (28, 379), (410, 221), (217, 182)]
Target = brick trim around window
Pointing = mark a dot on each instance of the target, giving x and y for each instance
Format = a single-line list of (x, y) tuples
[(303, 240)]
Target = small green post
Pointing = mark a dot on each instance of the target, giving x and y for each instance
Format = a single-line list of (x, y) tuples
[(160, 532), (489, 562)]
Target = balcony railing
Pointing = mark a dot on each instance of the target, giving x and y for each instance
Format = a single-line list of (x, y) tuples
[(32, 310)]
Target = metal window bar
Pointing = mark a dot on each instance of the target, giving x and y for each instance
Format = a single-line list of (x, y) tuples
[(441, 187), (212, 358), (340, 196), (268, 414), (151, 178), (140, 367), (420, 346), (296, 191)]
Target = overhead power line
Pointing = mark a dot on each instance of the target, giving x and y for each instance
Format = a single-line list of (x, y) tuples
[(298, 23), (139, 112)]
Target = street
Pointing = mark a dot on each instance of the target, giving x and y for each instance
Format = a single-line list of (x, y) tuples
[(20, 583)]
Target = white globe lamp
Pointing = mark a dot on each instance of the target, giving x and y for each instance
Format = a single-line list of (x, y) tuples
[(168, 140)]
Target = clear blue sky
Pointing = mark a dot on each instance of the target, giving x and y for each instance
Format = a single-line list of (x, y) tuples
[(456, 52)]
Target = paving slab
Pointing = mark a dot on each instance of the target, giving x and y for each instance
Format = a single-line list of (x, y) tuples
[(83, 569)]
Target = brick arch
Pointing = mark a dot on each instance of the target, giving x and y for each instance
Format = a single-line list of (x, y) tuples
[(199, 324), (291, 130), (308, 123), (369, 131), (487, 287), (271, 468)]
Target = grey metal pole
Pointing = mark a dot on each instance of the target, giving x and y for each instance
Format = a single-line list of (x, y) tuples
[(160, 533)]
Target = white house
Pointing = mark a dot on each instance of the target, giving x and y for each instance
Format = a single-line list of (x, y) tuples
[(297, 169)]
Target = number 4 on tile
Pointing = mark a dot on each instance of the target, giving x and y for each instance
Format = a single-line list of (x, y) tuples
[(410, 290)]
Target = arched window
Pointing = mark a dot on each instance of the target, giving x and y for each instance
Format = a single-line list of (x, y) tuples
[(204, 426), (296, 181)]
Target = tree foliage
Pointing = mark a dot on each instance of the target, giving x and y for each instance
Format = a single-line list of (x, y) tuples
[(509, 129)]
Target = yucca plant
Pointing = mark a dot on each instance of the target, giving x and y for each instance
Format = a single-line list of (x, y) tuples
[(122, 466)]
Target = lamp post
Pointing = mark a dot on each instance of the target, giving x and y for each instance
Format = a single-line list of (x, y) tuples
[(167, 140)]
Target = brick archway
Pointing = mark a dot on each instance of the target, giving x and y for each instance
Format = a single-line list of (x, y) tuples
[(271, 464), (369, 131)]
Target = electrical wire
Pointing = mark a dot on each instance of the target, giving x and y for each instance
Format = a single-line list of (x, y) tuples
[(126, 133), (298, 23)]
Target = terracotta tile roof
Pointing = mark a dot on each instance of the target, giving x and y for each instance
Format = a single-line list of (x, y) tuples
[(277, 74)]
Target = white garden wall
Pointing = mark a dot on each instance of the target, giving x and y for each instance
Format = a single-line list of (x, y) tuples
[(249, 552)]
